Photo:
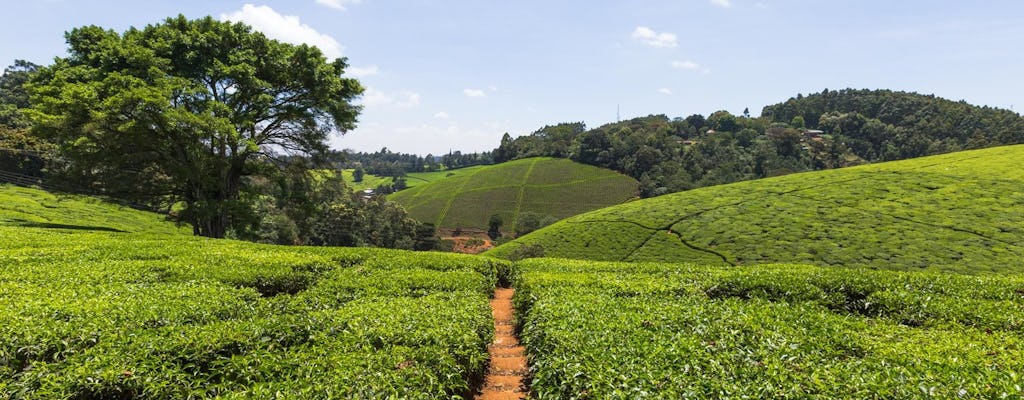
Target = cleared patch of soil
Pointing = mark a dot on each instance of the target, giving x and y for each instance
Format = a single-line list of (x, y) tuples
[(470, 245), (507, 372)]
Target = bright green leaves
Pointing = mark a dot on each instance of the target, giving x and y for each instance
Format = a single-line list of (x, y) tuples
[(193, 102), (616, 330), (101, 315)]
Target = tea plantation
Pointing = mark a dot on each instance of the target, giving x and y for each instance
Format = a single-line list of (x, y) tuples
[(94, 314), (631, 330), (961, 212), (557, 188), (102, 302)]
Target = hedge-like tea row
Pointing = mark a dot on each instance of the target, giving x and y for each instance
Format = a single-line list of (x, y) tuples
[(120, 316), (616, 330)]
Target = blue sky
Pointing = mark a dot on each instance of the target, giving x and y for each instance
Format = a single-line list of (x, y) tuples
[(456, 75)]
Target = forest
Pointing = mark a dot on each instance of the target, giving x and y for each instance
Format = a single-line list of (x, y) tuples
[(826, 130)]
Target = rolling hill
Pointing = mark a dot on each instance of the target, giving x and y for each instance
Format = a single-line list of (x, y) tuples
[(959, 212), (412, 179), (152, 313), (550, 187), (25, 207)]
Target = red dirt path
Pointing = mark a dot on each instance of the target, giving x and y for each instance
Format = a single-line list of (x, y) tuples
[(506, 374)]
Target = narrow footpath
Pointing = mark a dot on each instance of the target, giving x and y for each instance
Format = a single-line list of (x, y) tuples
[(507, 372)]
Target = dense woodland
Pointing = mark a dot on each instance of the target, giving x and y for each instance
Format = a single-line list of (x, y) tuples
[(826, 130)]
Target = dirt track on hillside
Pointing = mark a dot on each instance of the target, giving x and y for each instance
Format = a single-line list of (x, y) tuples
[(506, 375)]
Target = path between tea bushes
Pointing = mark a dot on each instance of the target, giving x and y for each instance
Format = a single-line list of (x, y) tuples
[(507, 373)]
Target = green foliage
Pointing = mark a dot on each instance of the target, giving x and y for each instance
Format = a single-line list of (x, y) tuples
[(668, 156), (617, 330), (184, 109), (558, 188), (13, 95), (531, 221), (957, 212), (113, 315), (36, 208)]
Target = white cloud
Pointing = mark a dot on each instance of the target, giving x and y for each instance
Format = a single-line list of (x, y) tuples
[(338, 4), (442, 115), (665, 91), (654, 39), (373, 97), (409, 100), (376, 98), (691, 66), (761, 5), (360, 72), (685, 65), (474, 93), (286, 28), (722, 3), (492, 88)]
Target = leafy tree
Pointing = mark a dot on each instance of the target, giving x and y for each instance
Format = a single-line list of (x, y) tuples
[(185, 109), (357, 174), (494, 226), (529, 222), (13, 95)]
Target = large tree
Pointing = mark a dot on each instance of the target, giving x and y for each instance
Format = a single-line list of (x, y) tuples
[(184, 110)]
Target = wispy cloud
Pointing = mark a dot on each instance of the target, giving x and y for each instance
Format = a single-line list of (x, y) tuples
[(286, 28), (474, 93), (685, 64), (376, 98), (360, 72), (442, 115), (690, 65), (665, 91), (338, 4), (408, 100), (654, 39), (722, 3)]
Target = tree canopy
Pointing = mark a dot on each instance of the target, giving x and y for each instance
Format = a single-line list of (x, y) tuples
[(184, 110), (820, 131)]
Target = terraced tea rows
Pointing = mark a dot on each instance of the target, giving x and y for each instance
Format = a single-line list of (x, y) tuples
[(961, 212), (107, 315), (618, 330), (553, 187)]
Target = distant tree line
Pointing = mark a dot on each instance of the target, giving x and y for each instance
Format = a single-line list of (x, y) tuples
[(831, 129), (387, 163)]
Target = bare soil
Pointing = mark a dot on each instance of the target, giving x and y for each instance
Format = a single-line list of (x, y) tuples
[(507, 372)]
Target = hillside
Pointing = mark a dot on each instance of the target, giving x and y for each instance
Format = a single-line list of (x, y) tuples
[(27, 207), (554, 188), (959, 212), (412, 179), (826, 130), (91, 314)]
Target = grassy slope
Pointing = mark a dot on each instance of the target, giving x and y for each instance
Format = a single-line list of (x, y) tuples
[(32, 207), (961, 212), (411, 180), (555, 187), (100, 301)]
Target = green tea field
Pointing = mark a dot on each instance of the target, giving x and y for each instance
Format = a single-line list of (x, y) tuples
[(961, 212), (557, 188), (93, 311), (606, 330)]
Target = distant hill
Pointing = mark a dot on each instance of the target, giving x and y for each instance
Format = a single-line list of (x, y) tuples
[(28, 207), (885, 125), (412, 179), (544, 187), (960, 212), (826, 130)]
